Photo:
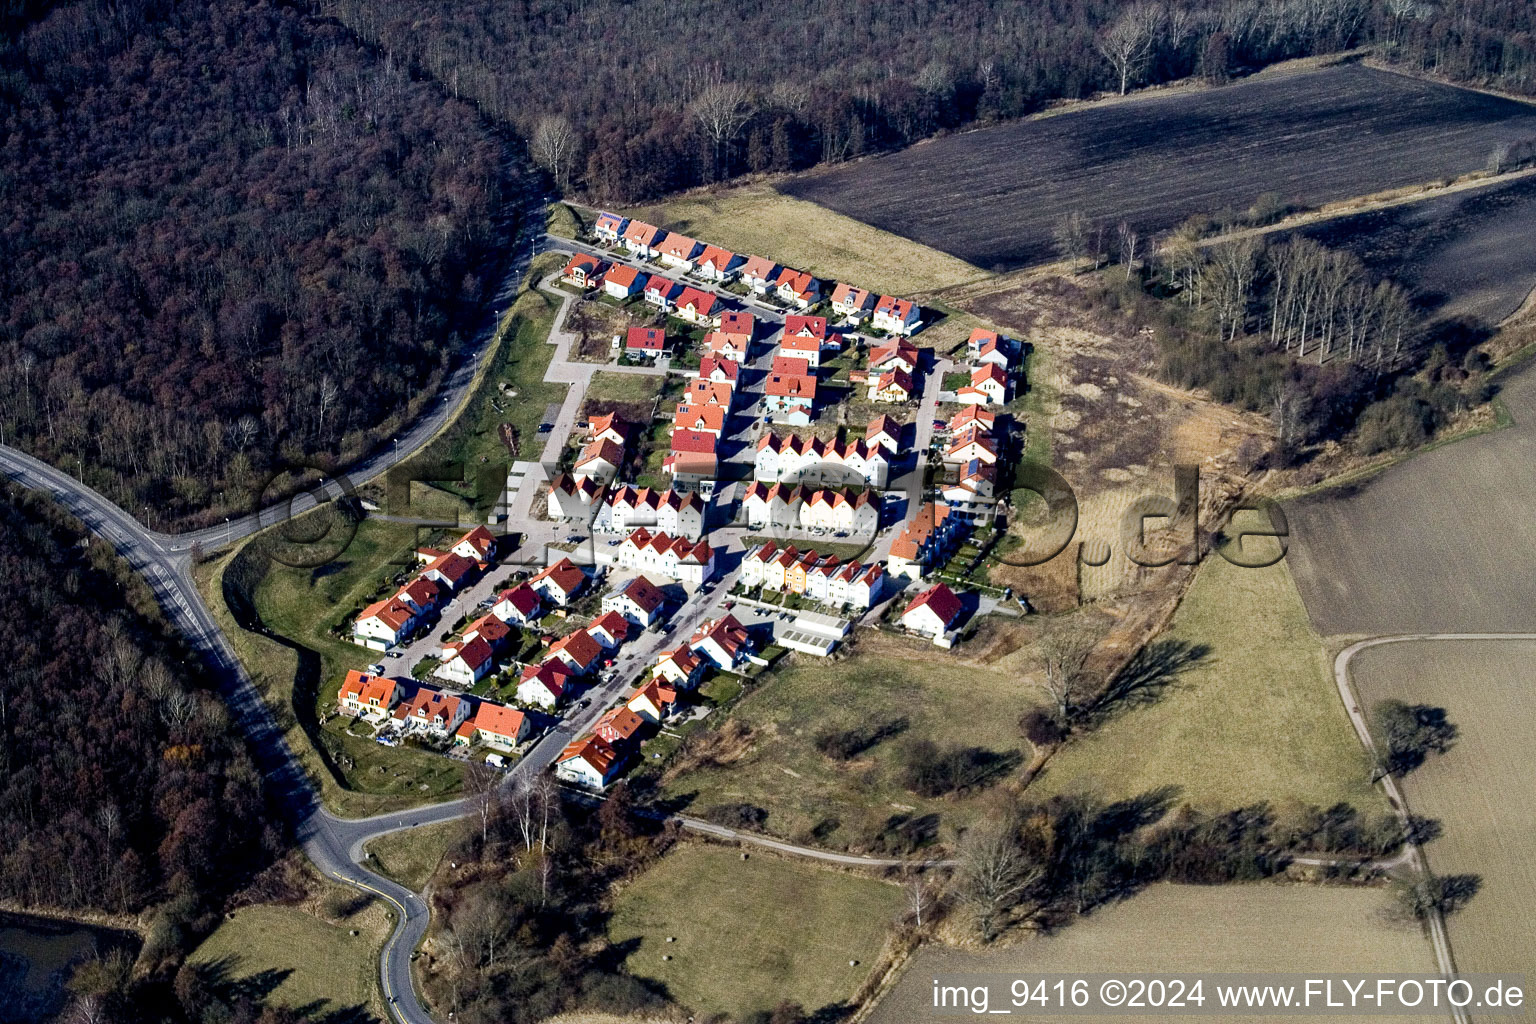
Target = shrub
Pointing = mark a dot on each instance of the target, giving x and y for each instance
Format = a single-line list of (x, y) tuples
[(844, 744), (736, 815), (1041, 728)]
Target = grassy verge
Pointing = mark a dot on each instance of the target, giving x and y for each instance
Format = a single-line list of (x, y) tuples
[(794, 931), (756, 219), (1258, 718), (301, 957), (511, 391), (607, 386), (560, 219), (410, 857)]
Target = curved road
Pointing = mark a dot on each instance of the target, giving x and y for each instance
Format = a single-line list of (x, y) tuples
[(1413, 852)]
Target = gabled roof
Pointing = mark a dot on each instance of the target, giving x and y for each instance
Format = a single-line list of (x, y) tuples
[(599, 425), (612, 220), (760, 268), (624, 275), (612, 623), (799, 325), (643, 593), (989, 371), (642, 233), (727, 368), (658, 693), (738, 322), (973, 414), (940, 600), (489, 628), (889, 305), (726, 632), (651, 339), (708, 418), (579, 646), (391, 611), (522, 597), (621, 722), (694, 441), (680, 246), (794, 345), (897, 348), (682, 658), (594, 750), (702, 391), (790, 378), (367, 688), (980, 336), (551, 674), (797, 281), (883, 424), (603, 448), (895, 377), (572, 485), (720, 341), (590, 264), (421, 590), (702, 301), (564, 574), (663, 286), (482, 540), (453, 567), (848, 295), (473, 653), (716, 257), (499, 720)]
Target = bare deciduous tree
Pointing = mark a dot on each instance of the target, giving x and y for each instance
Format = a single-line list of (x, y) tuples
[(1072, 232), (1129, 42), (1064, 652), (553, 146), (480, 784), (995, 871), (722, 110)]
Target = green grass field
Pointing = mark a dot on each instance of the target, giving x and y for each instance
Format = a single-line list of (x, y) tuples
[(315, 962), (410, 857), (756, 219), (809, 795), (1181, 928), (1258, 719), (752, 934)]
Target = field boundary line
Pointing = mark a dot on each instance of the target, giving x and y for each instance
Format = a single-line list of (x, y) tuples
[(1439, 937)]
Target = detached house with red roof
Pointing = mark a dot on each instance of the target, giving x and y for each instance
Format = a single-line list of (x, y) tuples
[(722, 642), (988, 386), (517, 605), (451, 570), (384, 624), (797, 288), (701, 307), (466, 662), (432, 712), (883, 432), (717, 264), (623, 282), (933, 613), (759, 274), (789, 393), (367, 696), (645, 342), (609, 629), (804, 337), (681, 667), (893, 385), (560, 582), (693, 456), (654, 702), (678, 251), (579, 651), (856, 304), (600, 460), (495, 725), (584, 271), (589, 761), (662, 293), (544, 685), (619, 725), (898, 354), (610, 227), (896, 316), (638, 600), (643, 239)]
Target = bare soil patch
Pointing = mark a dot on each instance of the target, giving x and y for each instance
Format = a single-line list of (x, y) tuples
[(991, 196)]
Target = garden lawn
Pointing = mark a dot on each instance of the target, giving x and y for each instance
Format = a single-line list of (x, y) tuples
[(752, 933)]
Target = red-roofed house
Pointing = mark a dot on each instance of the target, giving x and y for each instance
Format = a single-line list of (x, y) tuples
[(580, 651), (478, 544), (789, 393), (720, 371), (717, 264), (693, 456), (680, 667), (699, 306), (723, 642), (708, 419), (366, 695), (933, 612), (544, 685), (623, 282), (883, 432), (645, 342), (797, 288), (589, 761), (679, 251), (432, 712), (798, 346), (989, 386), (894, 385), (721, 345), (677, 557), (466, 662), (610, 226), (609, 629), (584, 271), (643, 239), (518, 605), (662, 292), (653, 702), (637, 600), (619, 725), (759, 274), (896, 316), (384, 624), (600, 460), (854, 303), (495, 725), (897, 353), (451, 570), (560, 582)]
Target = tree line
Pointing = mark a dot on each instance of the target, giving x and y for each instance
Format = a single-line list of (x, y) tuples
[(237, 240), (625, 102)]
